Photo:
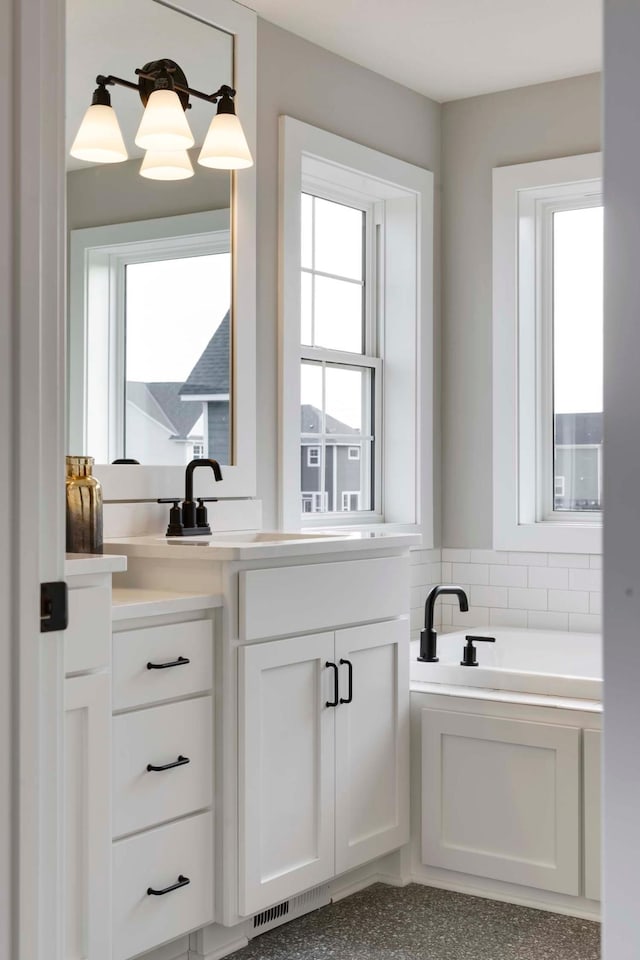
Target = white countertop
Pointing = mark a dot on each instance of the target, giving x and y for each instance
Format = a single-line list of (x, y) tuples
[(76, 564), (130, 602), (240, 546)]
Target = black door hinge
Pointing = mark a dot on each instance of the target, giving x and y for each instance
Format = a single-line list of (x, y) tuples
[(54, 607)]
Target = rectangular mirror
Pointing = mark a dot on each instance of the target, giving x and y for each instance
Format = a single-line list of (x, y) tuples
[(153, 323)]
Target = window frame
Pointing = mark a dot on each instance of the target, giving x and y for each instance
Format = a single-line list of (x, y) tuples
[(405, 290), (525, 196)]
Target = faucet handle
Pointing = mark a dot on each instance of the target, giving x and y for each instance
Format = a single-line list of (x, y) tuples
[(469, 652), (175, 528)]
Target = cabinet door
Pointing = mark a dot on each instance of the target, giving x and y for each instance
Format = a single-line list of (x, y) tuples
[(87, 844), (501, 799), (286, 768), (592, 818), (372, 742)]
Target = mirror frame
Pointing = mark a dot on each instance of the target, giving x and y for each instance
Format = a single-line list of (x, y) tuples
[(147, 483)]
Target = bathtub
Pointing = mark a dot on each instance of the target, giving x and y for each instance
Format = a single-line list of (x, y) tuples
[(548, 662)]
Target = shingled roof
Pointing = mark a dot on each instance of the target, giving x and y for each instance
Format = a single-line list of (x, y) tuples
[(311, 421), (211, 372), (577, 429), (161, 401)]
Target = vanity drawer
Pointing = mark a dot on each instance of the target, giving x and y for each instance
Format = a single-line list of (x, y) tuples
[(86, 640), (285, 601), (159, 736), (156, 859), (134, 684)]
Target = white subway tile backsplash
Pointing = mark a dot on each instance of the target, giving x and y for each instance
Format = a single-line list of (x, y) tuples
[(489, 597), (528, 599), (547, 620), (584, 623), (528, 559), (470, 573), (549, 578), (508, 618), (475, 617), (570, 601), (568, 560), (508, 576), (456, 556), (585, 580), (515, 589), (489, 556)]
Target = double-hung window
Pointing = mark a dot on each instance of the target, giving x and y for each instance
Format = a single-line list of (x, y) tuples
[(340, 370), (356, 293), (548, 355)]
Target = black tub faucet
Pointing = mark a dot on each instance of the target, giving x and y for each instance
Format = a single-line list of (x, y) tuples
[(428, 636)]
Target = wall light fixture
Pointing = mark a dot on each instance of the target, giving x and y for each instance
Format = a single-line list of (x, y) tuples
[(164, 131)]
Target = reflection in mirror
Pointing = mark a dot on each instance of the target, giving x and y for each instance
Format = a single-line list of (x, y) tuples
[(149, 347)]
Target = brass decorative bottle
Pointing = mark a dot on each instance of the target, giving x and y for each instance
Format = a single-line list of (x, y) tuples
[(84, 507)]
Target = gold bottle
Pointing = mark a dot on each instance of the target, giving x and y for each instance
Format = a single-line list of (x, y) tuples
[(84, 507)]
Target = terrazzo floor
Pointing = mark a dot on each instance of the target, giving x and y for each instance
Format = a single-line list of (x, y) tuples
[(422, 923)]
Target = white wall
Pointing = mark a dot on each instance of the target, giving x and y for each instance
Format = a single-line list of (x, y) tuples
[(622, 470), (532, 123), (307, 82)]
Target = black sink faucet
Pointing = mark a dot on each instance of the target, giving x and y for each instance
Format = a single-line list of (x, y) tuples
[(190, 520), (188, 505), (428, 636)]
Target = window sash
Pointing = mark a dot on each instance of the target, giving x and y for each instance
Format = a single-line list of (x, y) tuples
[(545, 431)]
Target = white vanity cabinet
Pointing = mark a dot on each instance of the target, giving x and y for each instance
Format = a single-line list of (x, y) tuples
[(87, 760), (323, 757), (163, 769)]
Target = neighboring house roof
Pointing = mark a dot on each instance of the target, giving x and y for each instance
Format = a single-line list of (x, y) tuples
[(211, 372), (311, 422), (161, 401), (576, 429)]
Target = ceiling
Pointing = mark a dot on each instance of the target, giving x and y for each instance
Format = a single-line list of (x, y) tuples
[(450, 49)]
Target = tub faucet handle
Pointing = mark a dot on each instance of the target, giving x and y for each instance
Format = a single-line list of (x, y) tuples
[(469, 652)]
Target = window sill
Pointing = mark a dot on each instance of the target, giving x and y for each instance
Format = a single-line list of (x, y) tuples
[(372, 528), (550, 537)]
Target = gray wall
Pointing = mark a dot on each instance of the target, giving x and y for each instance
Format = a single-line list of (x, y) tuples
[(307, 82), (531, 123)]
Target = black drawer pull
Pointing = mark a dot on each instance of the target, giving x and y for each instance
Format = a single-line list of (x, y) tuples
[(349, 696), (334, 702), (180, 762), (180, 662), (182, 882)]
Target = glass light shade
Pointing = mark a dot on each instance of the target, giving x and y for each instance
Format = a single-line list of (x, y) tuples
[(164, 125), (99, 139), (225, 146), (166, 165)]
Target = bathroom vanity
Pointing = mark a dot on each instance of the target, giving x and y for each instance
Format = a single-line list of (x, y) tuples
[(258, 723)]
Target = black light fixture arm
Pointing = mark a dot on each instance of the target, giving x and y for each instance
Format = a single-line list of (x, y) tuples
[(167, 74)]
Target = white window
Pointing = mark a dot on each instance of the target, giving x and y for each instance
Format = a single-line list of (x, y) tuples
[(198, 450), (313, 456), (548, 356), (356, 249)]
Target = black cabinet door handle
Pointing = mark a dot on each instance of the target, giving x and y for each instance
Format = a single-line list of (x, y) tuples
[(335, 701), (349, 696), (180, 762), (180, 662), (181, 882)]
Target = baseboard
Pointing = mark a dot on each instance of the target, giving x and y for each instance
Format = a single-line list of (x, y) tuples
[(215, 941), (223, 951), (507, 893)]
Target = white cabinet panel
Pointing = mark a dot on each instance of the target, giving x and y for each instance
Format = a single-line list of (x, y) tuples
[(372, 742), (282, 601), (87, 853), (286, 768), (134, 684), (157, 859), (592, 813), (159, 736), (88, 636), (501, 799)]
